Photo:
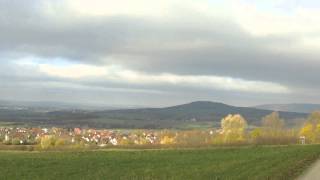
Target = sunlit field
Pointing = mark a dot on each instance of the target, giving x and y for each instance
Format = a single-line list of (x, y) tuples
[(261, 162)]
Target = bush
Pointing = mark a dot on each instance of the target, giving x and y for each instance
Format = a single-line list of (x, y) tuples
[(47, 142), (15, 141), (60, 142), (8, 142)]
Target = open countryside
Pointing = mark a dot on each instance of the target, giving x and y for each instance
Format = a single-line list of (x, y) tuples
[(159, 90), (232, 151)]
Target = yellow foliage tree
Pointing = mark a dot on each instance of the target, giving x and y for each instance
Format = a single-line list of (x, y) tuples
[(60, 142), (233, 128), (167, 140), (311, 129), (124, 141), (308, 132), (314, 117), (256, 133), (273, 121), (47, 141), (273, 131), (273, 125)]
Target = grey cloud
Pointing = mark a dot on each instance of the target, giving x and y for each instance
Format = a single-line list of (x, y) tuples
[(28, 84), (195, 45)]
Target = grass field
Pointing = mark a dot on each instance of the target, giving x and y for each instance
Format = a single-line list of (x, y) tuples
[(277, 162)]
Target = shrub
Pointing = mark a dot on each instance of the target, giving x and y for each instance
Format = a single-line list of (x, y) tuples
[(167, 140), (15, 141), (47, 142), (60, 142)]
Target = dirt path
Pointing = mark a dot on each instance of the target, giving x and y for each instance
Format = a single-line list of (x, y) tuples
[(313, 173)]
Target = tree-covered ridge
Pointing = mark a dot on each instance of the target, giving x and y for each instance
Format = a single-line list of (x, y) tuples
[(154, 118)]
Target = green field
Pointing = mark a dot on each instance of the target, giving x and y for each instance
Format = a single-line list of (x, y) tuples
[(272, 162)]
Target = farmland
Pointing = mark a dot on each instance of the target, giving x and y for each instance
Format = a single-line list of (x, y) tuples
[(253, 162)]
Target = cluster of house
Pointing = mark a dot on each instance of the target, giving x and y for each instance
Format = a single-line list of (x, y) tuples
[(20, 135), (88, 136)]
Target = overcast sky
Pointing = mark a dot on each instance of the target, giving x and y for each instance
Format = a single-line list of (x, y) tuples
[(160, 52)]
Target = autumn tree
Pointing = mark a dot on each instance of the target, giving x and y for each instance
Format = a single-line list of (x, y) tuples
[(311, 129), (314, 117), (308, 132), (256, 134), (168, 137), (233, 128), (272, 124), (47, 141), (167, 140), (273, 131), (60, 142)]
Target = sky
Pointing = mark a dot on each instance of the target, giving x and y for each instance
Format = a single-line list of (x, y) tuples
[(160, 53)]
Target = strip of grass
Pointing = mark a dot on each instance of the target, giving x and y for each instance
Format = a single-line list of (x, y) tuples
[(277, 162)]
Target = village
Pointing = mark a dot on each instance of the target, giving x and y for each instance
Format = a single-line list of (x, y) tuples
[(98, 137), (101, 137), (234, 130)]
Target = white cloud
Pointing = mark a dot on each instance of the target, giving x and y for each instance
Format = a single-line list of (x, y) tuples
[(121, 7), (299, 20), (73, 71), (121, 75), (273, 20)]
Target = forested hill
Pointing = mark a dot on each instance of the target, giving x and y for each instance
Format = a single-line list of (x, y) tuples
[(199, 111), (167, 117)]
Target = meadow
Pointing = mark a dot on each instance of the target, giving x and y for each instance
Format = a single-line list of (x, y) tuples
[(247, 162)]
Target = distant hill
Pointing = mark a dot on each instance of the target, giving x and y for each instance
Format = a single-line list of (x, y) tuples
[(302, 108), (168, 117), (199, 111)]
